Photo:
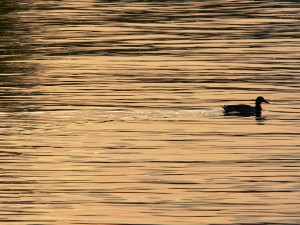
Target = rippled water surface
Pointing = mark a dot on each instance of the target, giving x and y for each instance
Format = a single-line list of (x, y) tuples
[(111, 112)]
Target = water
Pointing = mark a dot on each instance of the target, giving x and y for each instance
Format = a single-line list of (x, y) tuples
[(111, 112)]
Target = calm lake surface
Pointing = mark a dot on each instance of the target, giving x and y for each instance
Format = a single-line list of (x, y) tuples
[(111, 112)]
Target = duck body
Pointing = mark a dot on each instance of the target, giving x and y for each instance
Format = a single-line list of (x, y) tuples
[(245, 110)]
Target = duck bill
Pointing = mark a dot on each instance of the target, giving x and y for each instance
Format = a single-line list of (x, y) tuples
[(266, 101)]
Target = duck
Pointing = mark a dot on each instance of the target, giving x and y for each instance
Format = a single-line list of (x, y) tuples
[(246, 110)]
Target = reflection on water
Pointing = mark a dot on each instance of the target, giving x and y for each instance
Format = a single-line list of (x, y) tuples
[(115, 108)]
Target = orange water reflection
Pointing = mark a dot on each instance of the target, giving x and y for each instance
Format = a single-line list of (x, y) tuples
[(111, 113)]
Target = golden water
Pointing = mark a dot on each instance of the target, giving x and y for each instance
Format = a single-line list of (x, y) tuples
[(111, 112)]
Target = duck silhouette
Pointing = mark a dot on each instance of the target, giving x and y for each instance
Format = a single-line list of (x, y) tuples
[(245, 110)]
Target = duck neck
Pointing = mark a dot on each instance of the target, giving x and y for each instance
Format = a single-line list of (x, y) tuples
[(257, 110), (257, 107)]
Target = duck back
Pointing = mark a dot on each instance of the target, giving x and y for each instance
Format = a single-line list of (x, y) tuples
[(238, 108)]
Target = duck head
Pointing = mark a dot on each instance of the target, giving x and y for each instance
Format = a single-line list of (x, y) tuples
[(258, 108), (260, 99)]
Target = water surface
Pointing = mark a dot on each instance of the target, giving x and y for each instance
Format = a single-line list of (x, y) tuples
[(111, 112)]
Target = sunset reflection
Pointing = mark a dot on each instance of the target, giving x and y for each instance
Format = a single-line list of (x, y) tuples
[(115, 108)]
